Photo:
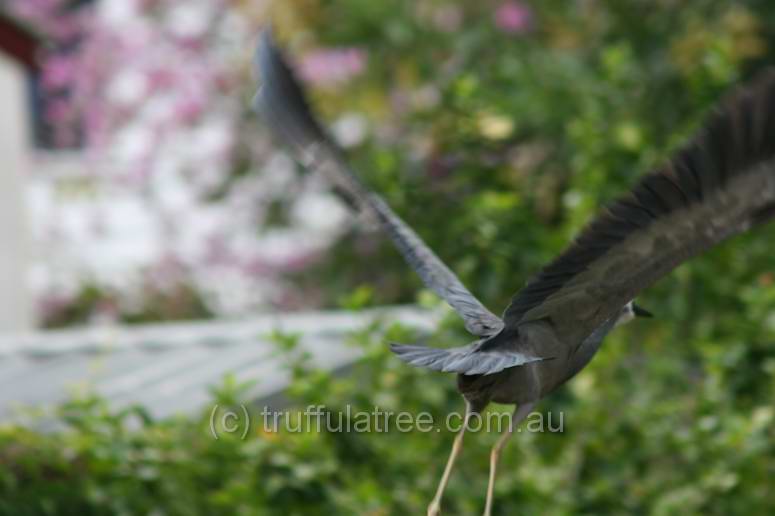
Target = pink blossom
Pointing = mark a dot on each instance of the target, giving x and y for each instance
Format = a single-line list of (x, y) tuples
[(189, 109), (514, 17), (58, 71), (327, 67), (161, 78), (95, 127)]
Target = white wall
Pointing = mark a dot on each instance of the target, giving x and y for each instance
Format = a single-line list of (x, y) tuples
[(15, 312)]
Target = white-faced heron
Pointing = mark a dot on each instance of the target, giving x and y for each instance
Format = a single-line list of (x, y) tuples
[(719, 184)]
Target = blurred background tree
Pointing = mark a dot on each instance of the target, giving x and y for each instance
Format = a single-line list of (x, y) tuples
[(497, 129)]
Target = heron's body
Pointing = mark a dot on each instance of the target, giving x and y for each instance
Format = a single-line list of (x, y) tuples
[(531, 382), (718, 185)]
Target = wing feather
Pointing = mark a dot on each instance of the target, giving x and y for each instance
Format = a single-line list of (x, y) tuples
[(720, 184), (282, 102), (468, 360)]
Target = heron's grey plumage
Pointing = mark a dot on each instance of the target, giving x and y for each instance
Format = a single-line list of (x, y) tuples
[(720, 184)]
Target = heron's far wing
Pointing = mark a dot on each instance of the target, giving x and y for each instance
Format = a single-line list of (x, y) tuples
[(720, 184), (281, 101)]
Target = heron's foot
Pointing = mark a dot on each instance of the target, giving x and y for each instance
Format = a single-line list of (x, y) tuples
[(434, 509)]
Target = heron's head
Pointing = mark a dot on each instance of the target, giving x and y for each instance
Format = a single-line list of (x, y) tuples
[(630, 311)]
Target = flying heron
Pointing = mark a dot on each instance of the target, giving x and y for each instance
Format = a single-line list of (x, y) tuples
[(721, 183)]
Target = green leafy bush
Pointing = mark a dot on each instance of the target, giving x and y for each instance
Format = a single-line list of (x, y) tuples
[(646, 429)]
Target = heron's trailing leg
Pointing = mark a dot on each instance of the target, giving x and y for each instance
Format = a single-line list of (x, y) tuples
[(519, 414), (434, 509)]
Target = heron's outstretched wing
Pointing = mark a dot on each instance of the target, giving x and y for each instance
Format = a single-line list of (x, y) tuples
[(282, 102), (720, 184)]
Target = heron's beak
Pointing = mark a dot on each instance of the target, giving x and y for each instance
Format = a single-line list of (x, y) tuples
[(641, 312)]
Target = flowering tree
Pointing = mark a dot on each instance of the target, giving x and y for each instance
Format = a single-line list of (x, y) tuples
[(158, 91)]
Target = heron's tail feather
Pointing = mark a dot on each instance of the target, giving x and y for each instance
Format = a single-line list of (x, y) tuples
[(463, 360)]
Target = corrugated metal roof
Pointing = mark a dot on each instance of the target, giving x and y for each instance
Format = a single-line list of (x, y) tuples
[(169, 368)]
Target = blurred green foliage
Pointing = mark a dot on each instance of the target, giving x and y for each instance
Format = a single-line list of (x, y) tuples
[(497, 147)]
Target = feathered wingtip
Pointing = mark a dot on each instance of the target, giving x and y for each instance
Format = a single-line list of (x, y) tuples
[(280, 97), (283, 105)]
